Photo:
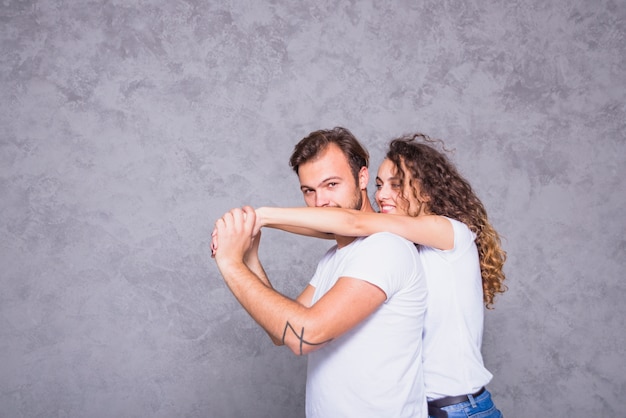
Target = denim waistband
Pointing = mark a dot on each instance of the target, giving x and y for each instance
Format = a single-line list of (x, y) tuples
[(452, 400)]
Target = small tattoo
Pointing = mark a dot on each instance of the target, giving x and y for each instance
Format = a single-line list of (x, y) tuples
[(300, 336)]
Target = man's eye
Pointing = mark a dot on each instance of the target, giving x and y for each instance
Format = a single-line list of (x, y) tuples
[(307, 191), (332, 184)]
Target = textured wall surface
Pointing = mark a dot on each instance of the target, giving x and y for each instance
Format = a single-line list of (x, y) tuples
[(128, 127)]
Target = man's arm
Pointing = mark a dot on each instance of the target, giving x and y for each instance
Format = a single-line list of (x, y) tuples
[(302, 328), (251, 259)]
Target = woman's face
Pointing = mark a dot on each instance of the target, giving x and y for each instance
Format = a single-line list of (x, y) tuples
[(391, 196)]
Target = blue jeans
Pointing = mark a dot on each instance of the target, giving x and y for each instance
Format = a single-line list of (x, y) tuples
[(482, 407)]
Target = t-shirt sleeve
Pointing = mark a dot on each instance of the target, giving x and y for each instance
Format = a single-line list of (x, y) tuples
[(463, 239), (320, 266), (385, 260)]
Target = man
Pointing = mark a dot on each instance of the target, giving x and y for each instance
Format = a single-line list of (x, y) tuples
[(360, 319)]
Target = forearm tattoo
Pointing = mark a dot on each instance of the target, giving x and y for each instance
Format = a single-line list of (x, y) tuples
[(300, 336)]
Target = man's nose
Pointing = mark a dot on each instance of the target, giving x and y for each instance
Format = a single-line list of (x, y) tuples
[(321, 199)]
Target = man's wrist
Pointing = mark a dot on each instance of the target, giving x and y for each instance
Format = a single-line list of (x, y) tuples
[(229, 265)]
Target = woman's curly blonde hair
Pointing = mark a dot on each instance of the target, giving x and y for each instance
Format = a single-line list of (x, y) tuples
[(449, 194)]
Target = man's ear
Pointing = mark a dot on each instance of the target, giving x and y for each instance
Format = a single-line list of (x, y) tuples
[(364, 178)]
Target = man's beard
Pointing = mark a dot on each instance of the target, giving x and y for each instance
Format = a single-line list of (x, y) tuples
[(357, 202)]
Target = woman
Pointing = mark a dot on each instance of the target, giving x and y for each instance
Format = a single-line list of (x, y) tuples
[(423, 198)]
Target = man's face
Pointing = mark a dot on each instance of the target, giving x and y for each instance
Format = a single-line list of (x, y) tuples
[(327, 181)]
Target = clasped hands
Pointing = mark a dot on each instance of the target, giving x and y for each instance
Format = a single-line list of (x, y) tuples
[(237, 231)]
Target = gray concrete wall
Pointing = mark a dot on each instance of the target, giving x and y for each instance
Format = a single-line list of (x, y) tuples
[(128, 127)]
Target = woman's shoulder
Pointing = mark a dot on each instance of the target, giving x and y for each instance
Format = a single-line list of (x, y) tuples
[(459, 227)]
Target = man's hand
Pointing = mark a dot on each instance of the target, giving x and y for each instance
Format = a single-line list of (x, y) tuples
[(256, 231), (235, 231), (251, 257), (213, 242)]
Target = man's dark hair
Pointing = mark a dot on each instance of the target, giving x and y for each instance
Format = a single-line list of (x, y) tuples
[(311, 146)]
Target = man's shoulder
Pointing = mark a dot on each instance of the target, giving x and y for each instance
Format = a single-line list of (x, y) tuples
[(395, 255), (388, 237), (387, 242)]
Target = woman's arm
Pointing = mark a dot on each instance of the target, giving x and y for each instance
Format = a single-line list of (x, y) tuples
[(307, 232), (429, 230)]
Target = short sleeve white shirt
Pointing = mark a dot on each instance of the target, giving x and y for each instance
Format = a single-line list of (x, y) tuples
[(374, 370), (453, 330)]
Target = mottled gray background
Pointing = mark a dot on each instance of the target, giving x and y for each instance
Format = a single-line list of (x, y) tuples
[(128, 127)]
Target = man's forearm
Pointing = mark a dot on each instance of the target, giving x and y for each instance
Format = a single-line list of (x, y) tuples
[(282, 318), (256, 267), (275, 313)]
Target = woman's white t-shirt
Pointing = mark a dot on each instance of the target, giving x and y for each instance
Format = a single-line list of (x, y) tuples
[(453, 329)]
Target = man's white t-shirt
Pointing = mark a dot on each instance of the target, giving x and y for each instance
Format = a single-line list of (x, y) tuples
[(375, 369)]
